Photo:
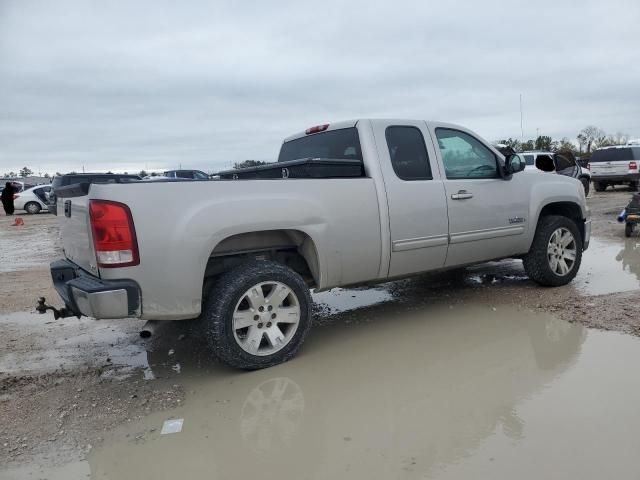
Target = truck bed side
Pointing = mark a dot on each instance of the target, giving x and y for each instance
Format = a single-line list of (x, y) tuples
[(179, 225)]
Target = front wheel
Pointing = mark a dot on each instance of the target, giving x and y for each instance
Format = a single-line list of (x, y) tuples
[(556, 252), (257, 315)]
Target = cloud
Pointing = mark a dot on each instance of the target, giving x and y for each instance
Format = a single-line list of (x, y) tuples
[(152, 84)]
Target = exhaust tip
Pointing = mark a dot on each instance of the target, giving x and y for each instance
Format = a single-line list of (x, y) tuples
[(145, 334)]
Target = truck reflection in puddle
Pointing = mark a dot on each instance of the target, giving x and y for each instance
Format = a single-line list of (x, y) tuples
[(399, 393)]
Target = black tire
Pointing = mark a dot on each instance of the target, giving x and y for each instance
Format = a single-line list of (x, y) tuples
[(585, 184), (32, 208), (220, 304), (628, 229), (633, 186), (599, 186), (536, 262)]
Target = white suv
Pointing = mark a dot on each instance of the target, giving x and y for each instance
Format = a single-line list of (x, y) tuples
[(614, 166)]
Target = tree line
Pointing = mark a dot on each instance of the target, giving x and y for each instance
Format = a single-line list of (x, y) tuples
[(587, 140)]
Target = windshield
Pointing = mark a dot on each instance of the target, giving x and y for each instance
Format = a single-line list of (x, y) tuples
[(341, 144)]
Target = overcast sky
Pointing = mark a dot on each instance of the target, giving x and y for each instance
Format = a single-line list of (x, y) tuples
[(134, 84)]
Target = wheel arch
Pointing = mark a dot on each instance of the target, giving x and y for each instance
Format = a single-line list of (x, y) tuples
[(291, 247), (567, 209)]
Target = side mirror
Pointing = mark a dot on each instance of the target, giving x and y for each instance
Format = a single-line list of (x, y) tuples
[(514, 163)]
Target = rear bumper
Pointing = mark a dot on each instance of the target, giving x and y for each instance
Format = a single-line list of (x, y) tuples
[(631, 177), (87, 295)]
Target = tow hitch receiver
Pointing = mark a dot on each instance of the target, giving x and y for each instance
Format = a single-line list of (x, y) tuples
[(63, 312)]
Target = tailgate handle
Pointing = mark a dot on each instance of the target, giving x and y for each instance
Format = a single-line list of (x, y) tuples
[(461, 195), (67, 208)]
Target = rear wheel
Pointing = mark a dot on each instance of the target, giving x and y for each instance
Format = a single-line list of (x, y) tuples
[(628, 229), (599, 186), (556, 252), (32, 208), (633, 186), (257, 315), (585, 185)]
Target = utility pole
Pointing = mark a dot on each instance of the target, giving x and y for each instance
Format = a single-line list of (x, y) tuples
[(521, 123)]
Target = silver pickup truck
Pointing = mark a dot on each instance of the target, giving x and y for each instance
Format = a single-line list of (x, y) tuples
[(242, 253)]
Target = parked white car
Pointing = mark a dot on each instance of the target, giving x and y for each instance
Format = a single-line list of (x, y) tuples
[(558, 163), (33, 200)]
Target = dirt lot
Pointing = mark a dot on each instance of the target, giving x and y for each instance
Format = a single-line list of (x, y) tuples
[(67, 387)]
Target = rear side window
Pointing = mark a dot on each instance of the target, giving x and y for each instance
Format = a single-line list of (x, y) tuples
[(342, 144), (408, 153), (616, 154), (528, 159)]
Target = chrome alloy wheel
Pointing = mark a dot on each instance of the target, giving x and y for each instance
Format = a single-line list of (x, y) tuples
[(561, 251), (266, 318)]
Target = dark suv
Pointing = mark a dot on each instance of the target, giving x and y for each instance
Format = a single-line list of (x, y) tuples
[(75, 178)]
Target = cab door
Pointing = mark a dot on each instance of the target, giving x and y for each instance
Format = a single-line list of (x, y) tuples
[(415, 195), (487, 213)]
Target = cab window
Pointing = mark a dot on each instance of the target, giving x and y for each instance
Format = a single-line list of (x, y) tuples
[(464, 156), (408, 153)]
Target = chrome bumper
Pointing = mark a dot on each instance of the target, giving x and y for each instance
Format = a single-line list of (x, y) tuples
[(87, 295)]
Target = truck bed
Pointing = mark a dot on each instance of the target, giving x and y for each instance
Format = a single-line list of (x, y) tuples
[(302, 168)]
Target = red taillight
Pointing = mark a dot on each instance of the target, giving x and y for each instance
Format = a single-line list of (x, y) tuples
[(316, 129), (15, 196), (633, 166), (114, 236)]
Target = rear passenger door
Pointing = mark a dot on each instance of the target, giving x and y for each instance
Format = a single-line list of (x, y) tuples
[(415, 195)]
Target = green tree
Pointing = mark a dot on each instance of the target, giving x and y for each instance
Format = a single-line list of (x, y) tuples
[(565, 145), (528, 145), (25, 172), (543, 142), (248, 164), (46, 175), (143, 173)]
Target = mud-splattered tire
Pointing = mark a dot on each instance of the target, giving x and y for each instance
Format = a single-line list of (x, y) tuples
[(599, 186), (539, 262), (628, 229), (230, 303)]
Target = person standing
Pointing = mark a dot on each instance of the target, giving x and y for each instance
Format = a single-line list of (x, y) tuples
[(7, 198)]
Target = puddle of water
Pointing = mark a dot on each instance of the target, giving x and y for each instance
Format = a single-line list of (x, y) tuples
[(70, 471), (609, 267), (444, 393), (339, 300)]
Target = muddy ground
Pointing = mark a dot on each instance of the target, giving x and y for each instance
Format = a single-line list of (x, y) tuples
[(76, 389)]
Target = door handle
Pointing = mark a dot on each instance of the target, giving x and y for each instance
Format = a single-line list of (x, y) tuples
[(461, 195)]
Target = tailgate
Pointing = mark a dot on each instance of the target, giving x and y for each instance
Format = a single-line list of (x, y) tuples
[(73, 216), (609, 168)]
